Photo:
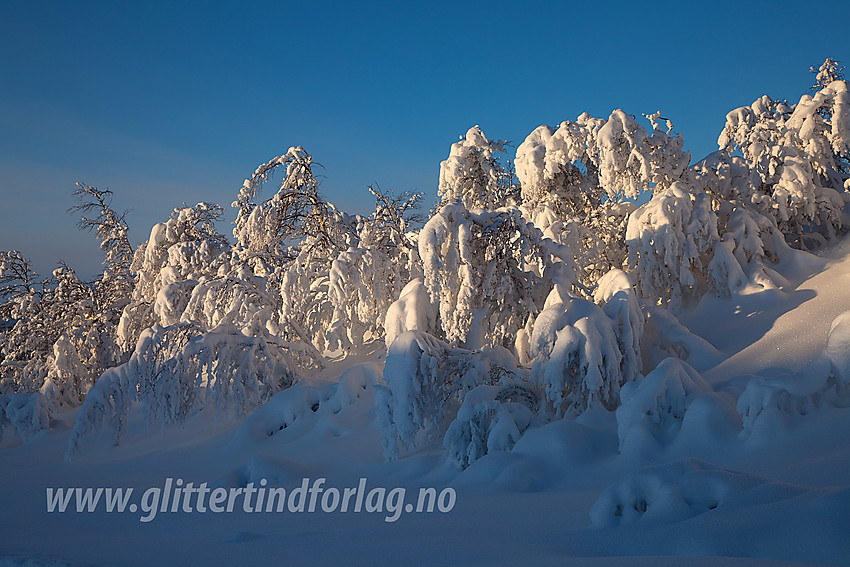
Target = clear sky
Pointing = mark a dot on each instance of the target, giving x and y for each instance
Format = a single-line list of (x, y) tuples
[(179, 101)]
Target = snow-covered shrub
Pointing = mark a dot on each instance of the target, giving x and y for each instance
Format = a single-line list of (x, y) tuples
[(24, 414), (576, 353), (768, 402), (67, 379), (491, 418), (426, 381), (485, 272), (653, 408), (671, 239), (472, 174), (176, 371)]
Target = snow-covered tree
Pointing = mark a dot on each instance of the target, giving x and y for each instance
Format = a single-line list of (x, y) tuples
[(485, 271), (336, 294), (473, 175), (112, 290), (24, 344), (112, 230), (63, 334), (829, 71), (367, 277), (616, 294), (798, 155), (336, 274), (671, 240), (55, 343), (267, 229), (178, 253), (578, 182)]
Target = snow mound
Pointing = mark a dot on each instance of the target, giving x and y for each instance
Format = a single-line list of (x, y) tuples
[(294, 412), (825, 381), (665, 336), (677, 491)]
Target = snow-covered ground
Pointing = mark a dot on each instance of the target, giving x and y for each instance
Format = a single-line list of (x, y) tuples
[(708, 484)]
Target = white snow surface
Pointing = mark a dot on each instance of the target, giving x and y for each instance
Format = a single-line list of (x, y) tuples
[(685, 472)]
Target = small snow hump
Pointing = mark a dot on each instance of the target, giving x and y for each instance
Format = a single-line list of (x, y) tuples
[(677, 491)]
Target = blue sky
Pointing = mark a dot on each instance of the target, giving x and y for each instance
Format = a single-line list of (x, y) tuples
[(172, 102)]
